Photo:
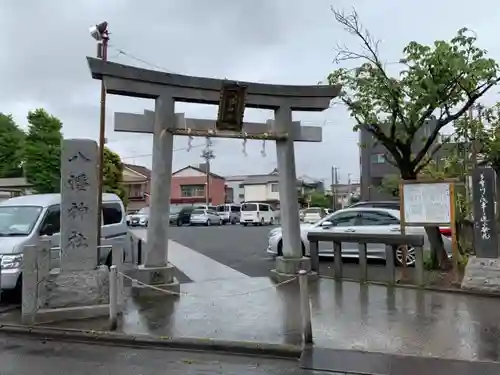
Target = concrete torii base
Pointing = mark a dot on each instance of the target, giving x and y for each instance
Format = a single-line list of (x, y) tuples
[(155, 281)]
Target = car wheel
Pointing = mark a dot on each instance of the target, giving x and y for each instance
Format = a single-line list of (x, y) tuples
[(410, 256), (280, 248), (262, 222), (245, 224), (179, 223), (208, 223), (221, 222), (271, 221)]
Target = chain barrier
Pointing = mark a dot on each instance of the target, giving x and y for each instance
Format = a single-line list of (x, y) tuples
[(204, 296)]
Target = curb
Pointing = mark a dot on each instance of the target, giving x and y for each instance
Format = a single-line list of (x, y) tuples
[(144, 341), (422, 288)]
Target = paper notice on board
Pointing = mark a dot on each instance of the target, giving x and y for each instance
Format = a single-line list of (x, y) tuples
[(427, 203)]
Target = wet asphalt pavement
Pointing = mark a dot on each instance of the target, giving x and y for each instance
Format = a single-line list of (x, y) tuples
[(20, 356)]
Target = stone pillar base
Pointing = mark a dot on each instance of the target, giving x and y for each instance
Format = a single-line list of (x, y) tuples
[(158, 277), (482, 274), (72, 295), (288, 268)]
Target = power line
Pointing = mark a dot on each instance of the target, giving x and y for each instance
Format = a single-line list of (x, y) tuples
[(150, 154)]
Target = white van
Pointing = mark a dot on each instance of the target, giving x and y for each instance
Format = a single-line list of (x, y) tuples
[(27, 219), (230, 213), (256, 213)]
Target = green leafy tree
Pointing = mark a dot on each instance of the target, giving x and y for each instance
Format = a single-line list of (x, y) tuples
[(113, 174), (437, 83), (43, 152), (11, 147)]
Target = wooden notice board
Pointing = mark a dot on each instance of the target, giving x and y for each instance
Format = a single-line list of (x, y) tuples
[(429, 203)]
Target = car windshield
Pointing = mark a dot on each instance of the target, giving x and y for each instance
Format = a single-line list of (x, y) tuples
[(221, 208), (143, 211), (18, 220), (249, 207), (198, 212)]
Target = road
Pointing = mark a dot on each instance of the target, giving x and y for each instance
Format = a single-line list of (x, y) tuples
[(23, 356)]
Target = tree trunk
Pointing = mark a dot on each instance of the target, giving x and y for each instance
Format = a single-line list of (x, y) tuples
[(439, 257)]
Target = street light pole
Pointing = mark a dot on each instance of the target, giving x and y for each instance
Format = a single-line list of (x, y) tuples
[(101, 34)]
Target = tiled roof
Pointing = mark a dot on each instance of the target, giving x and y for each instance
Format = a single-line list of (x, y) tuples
[(146, 172)]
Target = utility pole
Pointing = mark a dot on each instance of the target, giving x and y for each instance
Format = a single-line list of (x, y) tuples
[(335, 181), (348, 189), (208, 155), (101, 34)]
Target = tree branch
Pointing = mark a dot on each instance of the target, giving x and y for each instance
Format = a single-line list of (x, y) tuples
[(422, 165), (353, 26)]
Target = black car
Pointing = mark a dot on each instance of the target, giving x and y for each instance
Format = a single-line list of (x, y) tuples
[(184, 215), (392, 205)]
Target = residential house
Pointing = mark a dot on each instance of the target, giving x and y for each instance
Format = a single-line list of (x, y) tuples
[(265, 188), (235, 190), (14, 187), (136, 181), (189, 186), (344, 192)]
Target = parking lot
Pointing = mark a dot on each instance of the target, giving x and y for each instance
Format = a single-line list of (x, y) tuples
[(236, 246)]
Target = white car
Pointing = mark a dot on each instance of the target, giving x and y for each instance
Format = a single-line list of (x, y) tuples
[(202, 216), (314, 214), (356, 220)]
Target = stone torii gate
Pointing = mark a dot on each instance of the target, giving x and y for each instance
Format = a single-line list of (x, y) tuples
[(232, 98)]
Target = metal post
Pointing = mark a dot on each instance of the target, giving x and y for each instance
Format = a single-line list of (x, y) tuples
[(305, 308), (102, 139), (113, 298)]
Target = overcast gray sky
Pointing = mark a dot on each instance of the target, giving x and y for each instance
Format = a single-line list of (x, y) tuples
[(44, 44)]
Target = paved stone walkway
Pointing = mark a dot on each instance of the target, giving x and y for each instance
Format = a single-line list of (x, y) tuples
[(345, 316)]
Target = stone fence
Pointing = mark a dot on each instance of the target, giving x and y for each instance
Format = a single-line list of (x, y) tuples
[(391, 242)]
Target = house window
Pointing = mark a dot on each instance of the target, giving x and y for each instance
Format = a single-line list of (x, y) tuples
[(192, 190), (135, 191), (274, 188), (378, 159)]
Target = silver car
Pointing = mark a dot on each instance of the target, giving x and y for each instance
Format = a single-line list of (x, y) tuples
[(357, 220), (202, 216)]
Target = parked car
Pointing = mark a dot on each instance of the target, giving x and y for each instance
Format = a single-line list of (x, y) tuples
[(173, 215), (25, 220), (141, 218), (202, 216), (184, 215), (129, 215), (393, 205), (359, 220), (229, 212), (256, 214), (313, 214)]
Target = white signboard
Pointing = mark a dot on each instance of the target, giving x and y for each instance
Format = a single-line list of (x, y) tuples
[(427, 203)]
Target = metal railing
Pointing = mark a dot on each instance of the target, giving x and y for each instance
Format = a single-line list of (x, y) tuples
[(391, 241)]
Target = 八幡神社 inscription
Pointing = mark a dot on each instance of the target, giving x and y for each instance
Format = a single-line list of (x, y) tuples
[(79, 189)]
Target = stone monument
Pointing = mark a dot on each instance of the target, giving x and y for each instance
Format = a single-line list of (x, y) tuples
[(79, 288), (232, 98), (482, 272)]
